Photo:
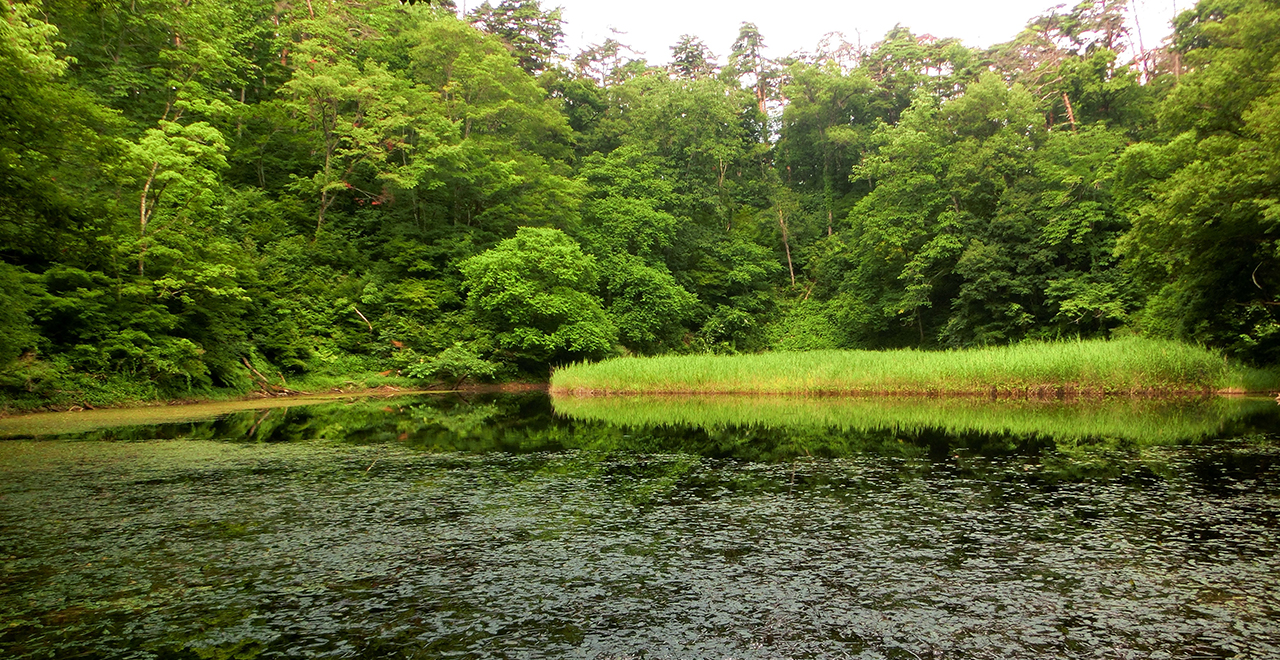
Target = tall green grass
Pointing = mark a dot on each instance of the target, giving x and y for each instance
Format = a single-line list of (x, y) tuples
[(1147, 421), (1073, 368)]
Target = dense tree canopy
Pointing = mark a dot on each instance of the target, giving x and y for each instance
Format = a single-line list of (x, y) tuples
[(202, 194), (1205, 198)]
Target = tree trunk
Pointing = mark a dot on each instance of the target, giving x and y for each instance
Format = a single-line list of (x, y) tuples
[(143, 213), (786, 246)]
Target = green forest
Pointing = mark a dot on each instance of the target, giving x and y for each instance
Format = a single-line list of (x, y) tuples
[(201, 196)]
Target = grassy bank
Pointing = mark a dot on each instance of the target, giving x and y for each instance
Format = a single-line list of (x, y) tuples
[(1129, 366)]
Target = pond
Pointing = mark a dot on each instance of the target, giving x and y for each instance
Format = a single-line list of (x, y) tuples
[(512, 526)]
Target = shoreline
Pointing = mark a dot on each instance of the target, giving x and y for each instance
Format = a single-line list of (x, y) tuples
[(263, 401), (38, 424)]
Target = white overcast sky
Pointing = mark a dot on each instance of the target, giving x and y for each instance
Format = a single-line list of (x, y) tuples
[(653, 26)]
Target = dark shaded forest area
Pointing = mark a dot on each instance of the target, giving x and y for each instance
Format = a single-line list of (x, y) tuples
[(198, 195)]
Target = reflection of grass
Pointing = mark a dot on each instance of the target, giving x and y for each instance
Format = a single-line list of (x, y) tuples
[(1141, 420), (1075, 368), (57, 423)]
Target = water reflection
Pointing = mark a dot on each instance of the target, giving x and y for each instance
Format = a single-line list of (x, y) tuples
[(1140, 420), (760, 428), (499, 527)]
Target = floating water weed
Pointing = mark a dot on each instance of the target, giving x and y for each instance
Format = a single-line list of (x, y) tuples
[(536, 536)]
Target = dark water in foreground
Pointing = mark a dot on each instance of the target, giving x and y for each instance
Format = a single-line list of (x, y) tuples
[(428, 528)]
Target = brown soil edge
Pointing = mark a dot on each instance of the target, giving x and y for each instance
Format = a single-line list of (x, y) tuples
[(1037, 393), (285, 399)]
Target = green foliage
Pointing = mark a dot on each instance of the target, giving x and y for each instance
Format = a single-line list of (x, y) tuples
[(692, 59), (983, 227), (1071, 60), (363, 118), (534, 34), (29, 42), (805, 325), (499, 164), (1204, 204), (828, 121), (179, 166), (185, 187), (457, 363), (16, 332), (645, 303), (535, 292), (624, 211), (626, 226)]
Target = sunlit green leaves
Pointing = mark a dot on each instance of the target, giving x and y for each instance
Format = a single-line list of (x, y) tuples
[(977, 210), (30, 41), (537, 291), (1204, 202), (177, 167), (363, 117)]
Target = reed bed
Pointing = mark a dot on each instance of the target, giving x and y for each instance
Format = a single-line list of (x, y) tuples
[(1146, 421), (1128, 366)]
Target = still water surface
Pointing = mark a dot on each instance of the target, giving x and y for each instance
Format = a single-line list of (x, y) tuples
[(512, 527)]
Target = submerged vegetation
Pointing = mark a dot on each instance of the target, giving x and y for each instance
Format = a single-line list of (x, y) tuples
[(210, 197), (1051, 369)]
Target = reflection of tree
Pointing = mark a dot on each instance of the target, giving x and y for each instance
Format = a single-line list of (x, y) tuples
[(648, 446)]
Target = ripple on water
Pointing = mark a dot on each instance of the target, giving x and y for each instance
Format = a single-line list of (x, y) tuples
[(429, 530)]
